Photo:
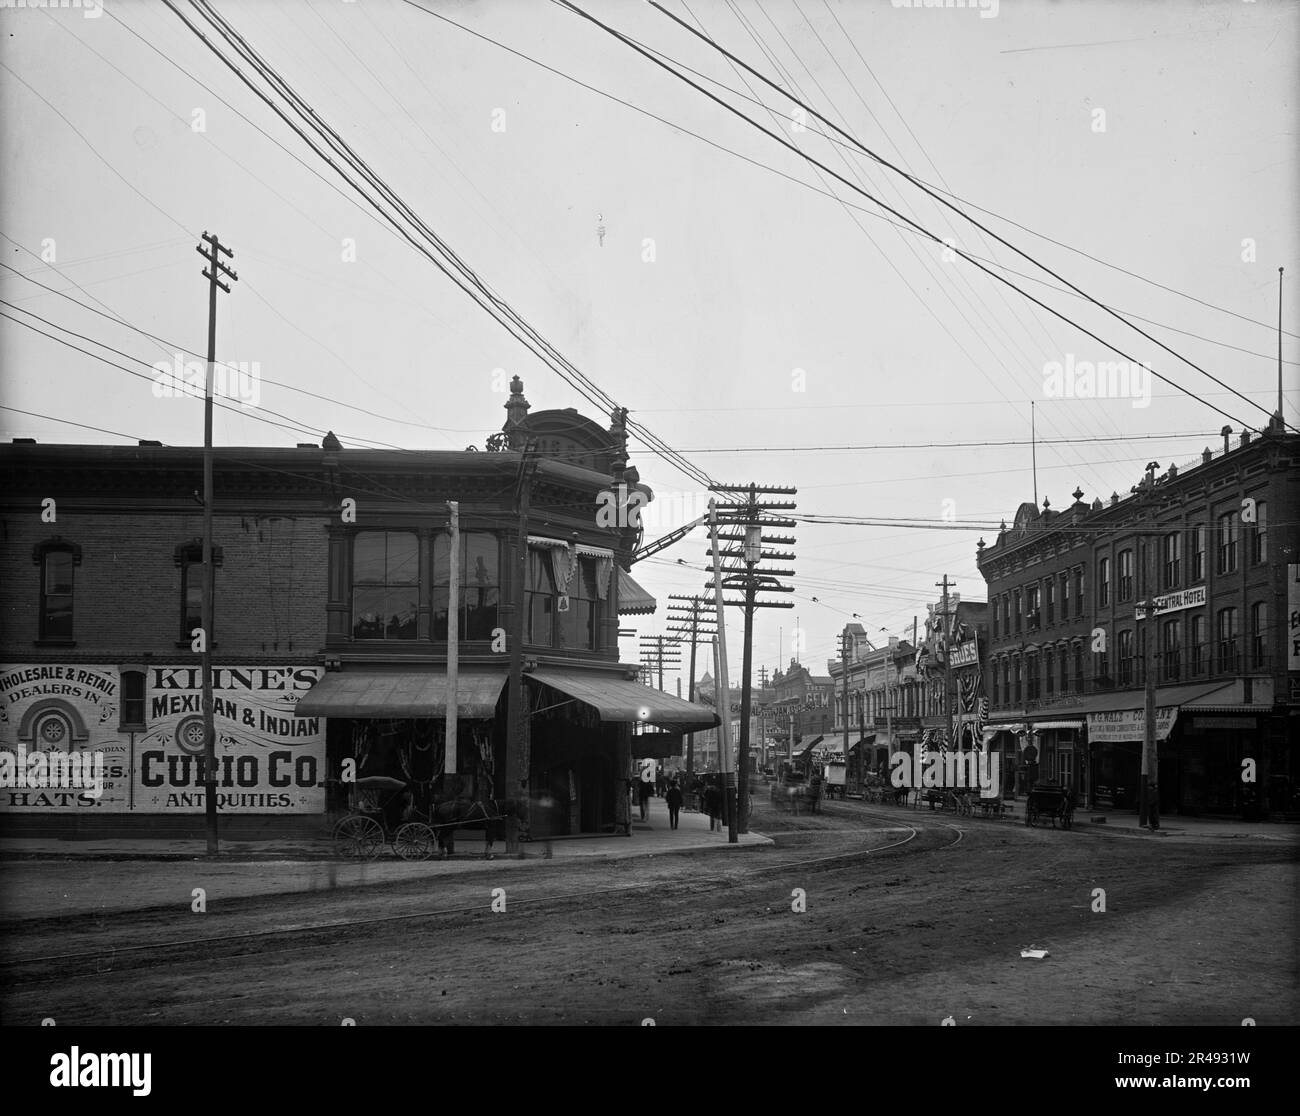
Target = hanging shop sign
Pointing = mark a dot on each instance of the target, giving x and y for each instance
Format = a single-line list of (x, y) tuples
[(1129, 725), (1176, 602), (268, 760), (965, 654)]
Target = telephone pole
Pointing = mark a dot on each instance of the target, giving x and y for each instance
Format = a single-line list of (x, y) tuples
[(1148, 784), (692, 619), (947, 665), (211, 273), (751, 516), (654, 655), (844, 664)]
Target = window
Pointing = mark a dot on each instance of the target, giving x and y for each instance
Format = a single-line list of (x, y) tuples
[(1078, 592), (1006, 614), (1031, 607), (1065, 596), (994, 610), (1049, 599), (581, 624), (132, 717), (1259, 633), (1199, 533), (993, 681), (480, 585), (1200, 665), (1065, 670), (56, 562), (1171, 650), (1049, 678), (1172, 552), (1259, 536), (385, 584), (541, 599), (1126, 657), (1103, 583), (1101, 665), (1227, 638), (1016, 601), (1078, 668), (1229, 528), (1125, 575), (1031, 676), (1015, 667)]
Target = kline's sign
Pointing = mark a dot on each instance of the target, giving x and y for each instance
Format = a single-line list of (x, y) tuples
[(268, 760), (1176, 602)]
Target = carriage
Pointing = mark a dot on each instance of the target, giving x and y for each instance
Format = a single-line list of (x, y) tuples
[(412, 819), (1050, 800)]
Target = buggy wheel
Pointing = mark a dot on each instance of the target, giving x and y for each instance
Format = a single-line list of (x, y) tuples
[(358, 837), (414, 841)]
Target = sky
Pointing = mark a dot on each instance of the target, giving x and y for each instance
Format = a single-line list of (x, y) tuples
[(768, 321)]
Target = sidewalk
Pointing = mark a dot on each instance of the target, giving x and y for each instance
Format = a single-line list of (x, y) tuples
[(1125, 823), (650, 838)]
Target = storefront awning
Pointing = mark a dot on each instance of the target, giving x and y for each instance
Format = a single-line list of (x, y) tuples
[(402, 693), (632, 599), (1057, 725), (867, 740), (1166, 697), (617, 699)]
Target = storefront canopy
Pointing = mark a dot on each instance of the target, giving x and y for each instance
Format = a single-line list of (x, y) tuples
[(617, 699), (632, 599), (867, 740), (402, 693)]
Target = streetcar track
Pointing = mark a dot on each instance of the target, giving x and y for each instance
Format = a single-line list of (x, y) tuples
[(605, 892)]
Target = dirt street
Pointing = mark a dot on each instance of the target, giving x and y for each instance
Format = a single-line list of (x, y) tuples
[(910, 918)]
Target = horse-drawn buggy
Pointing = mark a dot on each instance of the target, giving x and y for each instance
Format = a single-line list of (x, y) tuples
[(1050, 800)]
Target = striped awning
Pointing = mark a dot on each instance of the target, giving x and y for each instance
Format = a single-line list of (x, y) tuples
[(632, 599)]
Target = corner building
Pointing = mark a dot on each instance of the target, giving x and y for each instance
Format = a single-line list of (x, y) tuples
[(332, 592)]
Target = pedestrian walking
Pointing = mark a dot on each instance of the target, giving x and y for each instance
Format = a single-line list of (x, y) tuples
[(647, 789), (673, 797), (713, 805)]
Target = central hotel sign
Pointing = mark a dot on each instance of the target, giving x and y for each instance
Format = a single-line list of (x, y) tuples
[(1175, 602)]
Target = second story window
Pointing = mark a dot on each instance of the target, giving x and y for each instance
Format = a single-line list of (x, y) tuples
[(1065, 670), (480, 585), (1078, 592), (189, 557), (1049, 678), (1103, 582), (1227, 624), (1126, 657), (1031, 607), (1049, 600), (1171, 650), (385, 584), (1065, 596), (56, 563), (131, 718), (1016, 601), (1199, 654), (1229, 530), (1259, 634), (1125, 575)]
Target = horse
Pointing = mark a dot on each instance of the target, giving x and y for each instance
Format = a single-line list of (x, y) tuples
[(489, 815)]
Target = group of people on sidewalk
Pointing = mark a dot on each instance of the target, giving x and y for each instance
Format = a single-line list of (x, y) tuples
[(674, 792)]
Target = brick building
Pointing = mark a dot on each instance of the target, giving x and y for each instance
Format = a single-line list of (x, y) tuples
[(330, 625), (1215, 544)]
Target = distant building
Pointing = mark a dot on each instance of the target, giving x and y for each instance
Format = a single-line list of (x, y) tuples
[(1216, 544)]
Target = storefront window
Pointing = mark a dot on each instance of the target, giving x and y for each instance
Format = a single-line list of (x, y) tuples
[(385, 584)]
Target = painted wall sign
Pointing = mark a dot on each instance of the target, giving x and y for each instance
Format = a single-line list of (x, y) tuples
[(62, 710), (1176, 602), (1293, 611), (268, 760), (1129, 725)]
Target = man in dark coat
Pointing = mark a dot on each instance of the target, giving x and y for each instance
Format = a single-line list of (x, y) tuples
[(713, 805), (674, 799)]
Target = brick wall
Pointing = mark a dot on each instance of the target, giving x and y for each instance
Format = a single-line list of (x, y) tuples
[(270, 587)]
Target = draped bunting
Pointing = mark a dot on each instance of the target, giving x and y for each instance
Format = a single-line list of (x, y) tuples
[(604, 572)]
